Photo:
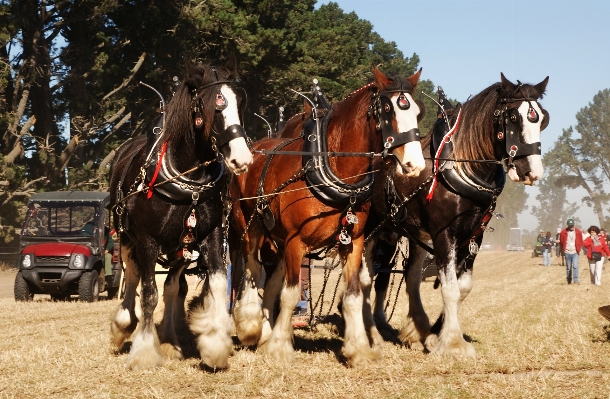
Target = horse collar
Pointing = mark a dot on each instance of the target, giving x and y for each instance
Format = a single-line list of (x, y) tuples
[(466, 185)]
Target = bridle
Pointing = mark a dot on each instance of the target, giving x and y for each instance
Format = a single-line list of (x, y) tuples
[(221, 103), (382, 110), (508, 124)]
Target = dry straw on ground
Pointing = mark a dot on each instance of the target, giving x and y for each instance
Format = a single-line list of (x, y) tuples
[(535, 336)]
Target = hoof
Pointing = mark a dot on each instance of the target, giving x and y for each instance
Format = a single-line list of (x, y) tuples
[(411, 336), (457, 348), (248, 323), (279, 351), (121, 327), (431, 342), (171, 352)]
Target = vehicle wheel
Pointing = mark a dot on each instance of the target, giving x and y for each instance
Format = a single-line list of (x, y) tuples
[(89, 287), (22, 289)]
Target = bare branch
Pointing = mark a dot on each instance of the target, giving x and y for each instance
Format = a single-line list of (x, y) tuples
[(127, 79)]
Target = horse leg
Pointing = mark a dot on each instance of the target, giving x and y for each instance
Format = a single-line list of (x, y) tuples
[(174, 294), (280, 344), (145, 351), (417, 325), (247, 314), (356, 346), (209, 319), (465, 285), (125, 319), (450, 339), (366, 282), (273, 287)]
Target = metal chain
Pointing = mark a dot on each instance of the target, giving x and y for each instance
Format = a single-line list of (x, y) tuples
[(396, 298)]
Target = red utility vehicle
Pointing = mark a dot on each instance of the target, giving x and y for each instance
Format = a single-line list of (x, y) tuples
[(64, 243)]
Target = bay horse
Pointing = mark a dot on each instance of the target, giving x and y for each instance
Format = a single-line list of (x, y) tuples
[(166, 193), (454, 199), (304, 220)]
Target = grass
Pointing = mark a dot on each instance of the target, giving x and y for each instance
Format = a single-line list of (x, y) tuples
[(535, 337)]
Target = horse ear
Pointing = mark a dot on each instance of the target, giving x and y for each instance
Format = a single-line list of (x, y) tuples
[(194, 75), (231, 65), (381, 81), (541, 87), (507, 85), (307, 109), (414, 79)]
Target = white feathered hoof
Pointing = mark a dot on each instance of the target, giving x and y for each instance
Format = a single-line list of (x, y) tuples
[(215, 350), (145, 352), (248, 323), (361, 356), (411, 337), (171, 352), (454, 346), (119, 327), (279, 350)]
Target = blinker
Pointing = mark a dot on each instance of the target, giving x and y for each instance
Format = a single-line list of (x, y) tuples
[(403, 102), (221, 102), (532, 115)]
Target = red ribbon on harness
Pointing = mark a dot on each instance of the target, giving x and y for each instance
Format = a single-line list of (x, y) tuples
[(438, 154), (152, 181)]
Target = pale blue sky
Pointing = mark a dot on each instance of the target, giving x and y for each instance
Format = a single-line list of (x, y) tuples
[(464, 45)]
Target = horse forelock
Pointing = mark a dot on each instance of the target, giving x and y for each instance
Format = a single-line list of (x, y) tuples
[(398, 83), (180, 114)]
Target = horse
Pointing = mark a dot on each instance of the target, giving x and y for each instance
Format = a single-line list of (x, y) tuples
[(454, 199), (166, 194), (298, 216)]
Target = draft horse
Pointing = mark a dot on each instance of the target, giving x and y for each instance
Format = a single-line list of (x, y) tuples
[(166, 192), (454, 199), (280, 203)]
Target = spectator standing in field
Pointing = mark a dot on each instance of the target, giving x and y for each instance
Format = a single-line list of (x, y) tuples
[(547, 244), (558, 252), (571, 244), (597, 249)]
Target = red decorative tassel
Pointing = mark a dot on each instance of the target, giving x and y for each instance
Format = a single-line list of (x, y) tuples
[(152, 181)]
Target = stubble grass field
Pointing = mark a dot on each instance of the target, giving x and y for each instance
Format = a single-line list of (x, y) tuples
[(535, 337)]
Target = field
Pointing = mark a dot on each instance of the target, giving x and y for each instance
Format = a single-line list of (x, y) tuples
[(535, 337)]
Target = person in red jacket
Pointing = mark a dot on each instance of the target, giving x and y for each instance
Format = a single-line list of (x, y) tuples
[(571, 244), (597, 249)]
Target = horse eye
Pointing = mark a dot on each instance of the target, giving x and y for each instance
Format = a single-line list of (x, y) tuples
[(403, 102), (532, 115), (221, 102)]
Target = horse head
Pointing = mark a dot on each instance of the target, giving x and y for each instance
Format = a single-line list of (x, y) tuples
[(396, 115), (216, 105), (518, 122)]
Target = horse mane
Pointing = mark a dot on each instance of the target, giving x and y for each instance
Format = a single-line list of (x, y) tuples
[(475, 138), (179, 117)]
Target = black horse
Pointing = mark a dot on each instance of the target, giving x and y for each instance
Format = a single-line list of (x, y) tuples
[(166, 191), (452, 201)]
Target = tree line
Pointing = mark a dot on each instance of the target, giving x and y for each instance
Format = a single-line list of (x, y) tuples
[(70, 73)]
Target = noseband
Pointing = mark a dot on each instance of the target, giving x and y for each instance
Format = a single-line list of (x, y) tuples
[(382, 110), (232, 132)]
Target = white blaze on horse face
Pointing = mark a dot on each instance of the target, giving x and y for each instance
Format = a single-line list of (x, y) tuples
[(531, 134), (240, 157), (410, 154)]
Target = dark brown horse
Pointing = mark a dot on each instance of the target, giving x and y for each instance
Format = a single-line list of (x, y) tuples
[(305, 222), (501, 124), (166, 195)]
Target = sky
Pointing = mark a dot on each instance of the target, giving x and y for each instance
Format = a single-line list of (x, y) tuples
[(464, 45)]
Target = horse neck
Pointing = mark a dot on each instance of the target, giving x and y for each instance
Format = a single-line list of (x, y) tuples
[(350, 130), (186, 154), (474, 140)]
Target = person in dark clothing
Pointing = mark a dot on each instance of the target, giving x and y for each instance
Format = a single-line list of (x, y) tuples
[(547, 244)]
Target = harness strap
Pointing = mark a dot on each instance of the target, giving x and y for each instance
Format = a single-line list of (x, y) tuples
[(154, 178), (439, 151)]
